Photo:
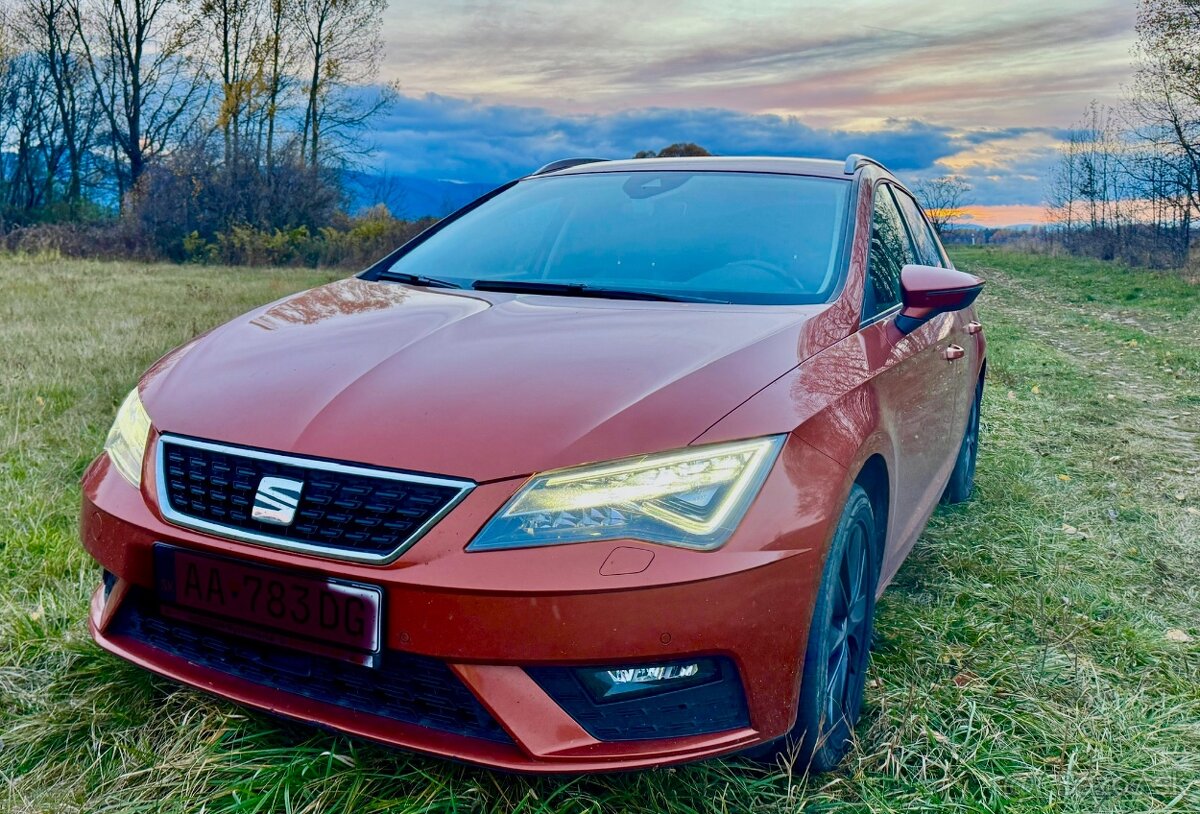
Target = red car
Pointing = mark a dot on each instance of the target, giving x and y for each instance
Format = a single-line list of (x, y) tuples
[(604, 471)]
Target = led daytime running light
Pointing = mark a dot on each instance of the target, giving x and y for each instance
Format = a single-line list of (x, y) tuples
[(692, 497)]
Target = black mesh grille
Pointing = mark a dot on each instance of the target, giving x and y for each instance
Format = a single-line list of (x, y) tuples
[(407, 687), (338, 510), (716, 706)]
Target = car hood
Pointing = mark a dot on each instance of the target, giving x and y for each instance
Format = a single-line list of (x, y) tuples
[(483, 386)]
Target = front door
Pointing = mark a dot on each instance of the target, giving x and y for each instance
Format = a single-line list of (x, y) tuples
[(914, 382), (929, 252)]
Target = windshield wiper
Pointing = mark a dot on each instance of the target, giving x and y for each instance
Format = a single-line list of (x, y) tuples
[(583, 290), (415, 279)]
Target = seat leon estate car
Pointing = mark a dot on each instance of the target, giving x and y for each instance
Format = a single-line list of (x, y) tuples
[(603, 471)]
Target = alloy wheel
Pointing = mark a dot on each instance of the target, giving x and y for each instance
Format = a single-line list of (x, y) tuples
[(972, 440), (849, 632)]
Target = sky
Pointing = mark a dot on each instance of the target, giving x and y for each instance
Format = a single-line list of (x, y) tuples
[(491, 90)]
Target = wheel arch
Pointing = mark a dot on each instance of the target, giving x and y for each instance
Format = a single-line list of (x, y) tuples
[(875, 480)]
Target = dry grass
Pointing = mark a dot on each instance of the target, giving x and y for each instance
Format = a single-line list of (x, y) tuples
[(1039, 652)]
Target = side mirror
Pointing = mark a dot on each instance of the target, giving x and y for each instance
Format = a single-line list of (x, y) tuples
[(927, 291)]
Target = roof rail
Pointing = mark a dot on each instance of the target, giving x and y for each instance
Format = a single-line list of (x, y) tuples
[(565, 163), (856, 160)]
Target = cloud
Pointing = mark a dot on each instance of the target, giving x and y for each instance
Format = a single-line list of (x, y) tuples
[(968, 64), (495, 88), (443, 137), (1003, 167)]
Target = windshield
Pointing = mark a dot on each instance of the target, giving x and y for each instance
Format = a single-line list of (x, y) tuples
[(724, 236)]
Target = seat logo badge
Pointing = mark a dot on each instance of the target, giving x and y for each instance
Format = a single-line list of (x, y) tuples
[(276, 500)]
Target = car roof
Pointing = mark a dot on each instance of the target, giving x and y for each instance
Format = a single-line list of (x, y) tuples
[(825, 168)]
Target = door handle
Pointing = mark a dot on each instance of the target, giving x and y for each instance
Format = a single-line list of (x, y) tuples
[(953, 352), (974, 327)]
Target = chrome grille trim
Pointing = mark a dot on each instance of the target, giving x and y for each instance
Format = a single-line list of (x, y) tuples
[(177, 518)]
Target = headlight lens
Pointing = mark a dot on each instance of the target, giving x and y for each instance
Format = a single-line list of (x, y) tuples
[(126, 442), (693, 497)]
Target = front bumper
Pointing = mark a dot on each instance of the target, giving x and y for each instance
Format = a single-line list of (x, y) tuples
[(489, 617)]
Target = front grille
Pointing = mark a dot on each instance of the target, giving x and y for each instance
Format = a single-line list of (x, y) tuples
[(716, 706), (346, 511), (406, 687)]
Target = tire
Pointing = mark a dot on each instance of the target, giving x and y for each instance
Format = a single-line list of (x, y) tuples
[(838, 644), (961, 485)]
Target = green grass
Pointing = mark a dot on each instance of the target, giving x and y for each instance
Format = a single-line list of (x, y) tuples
[(1039, 651)]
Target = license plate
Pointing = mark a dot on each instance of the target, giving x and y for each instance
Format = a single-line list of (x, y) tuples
[(327, 616)]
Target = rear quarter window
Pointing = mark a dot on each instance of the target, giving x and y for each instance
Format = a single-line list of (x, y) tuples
[(924, 240)]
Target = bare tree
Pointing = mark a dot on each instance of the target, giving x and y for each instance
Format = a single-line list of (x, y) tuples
[(6, 73), (236, 29), (31, 158), (342, 46), (1105, 185), (1061, 186), (945, 200), (48, 29), (1092, 193), (117, 93), (276, 56), (1165, 104), (1127, 183), (141, 58)]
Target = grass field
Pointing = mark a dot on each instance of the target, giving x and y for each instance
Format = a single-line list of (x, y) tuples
[(1040, 650)]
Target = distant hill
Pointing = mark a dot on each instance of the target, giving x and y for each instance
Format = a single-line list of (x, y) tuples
[(409, 196)]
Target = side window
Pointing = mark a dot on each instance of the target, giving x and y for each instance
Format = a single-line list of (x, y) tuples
[(890, 252), (918, 227)]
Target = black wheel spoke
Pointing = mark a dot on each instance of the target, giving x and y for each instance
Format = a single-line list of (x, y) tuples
[(837, 688), (848, 624), (842, 601), (856, 567)]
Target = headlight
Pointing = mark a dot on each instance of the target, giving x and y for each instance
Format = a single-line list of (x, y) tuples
[(126, 442), (693, 497)]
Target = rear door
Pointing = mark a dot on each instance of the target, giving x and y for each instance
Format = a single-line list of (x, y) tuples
[(913, 382)]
